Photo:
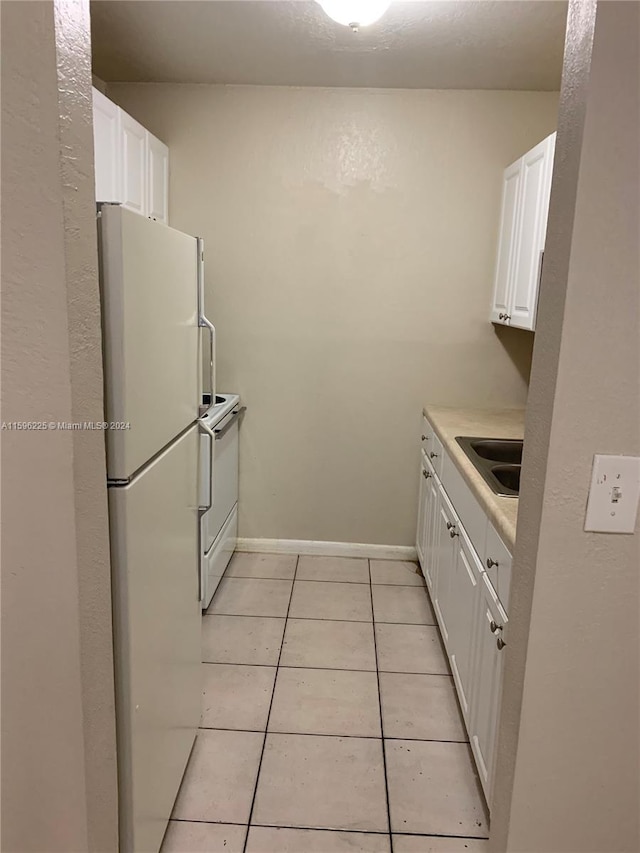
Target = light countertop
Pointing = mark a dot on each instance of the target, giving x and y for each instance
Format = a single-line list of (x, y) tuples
[(449, 422)]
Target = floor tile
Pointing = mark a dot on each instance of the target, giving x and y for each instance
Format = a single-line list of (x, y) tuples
[(267, 839), (241, 639), (236, 696), (352, 569), (402, 604), (320, 600), (274, 566), (335, 645), (187, 837), (426, 844), (251, 597), (396, 572), (433, 789), (322, 782), (410, 648), (220, 778), (326, 701), (420, 706)]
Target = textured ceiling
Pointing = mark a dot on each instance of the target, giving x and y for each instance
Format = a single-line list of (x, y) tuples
[(455, 44)]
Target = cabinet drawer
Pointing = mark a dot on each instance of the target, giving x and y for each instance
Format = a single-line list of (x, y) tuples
[(497, 563), (436, 454), (427, 436), (472, 516)]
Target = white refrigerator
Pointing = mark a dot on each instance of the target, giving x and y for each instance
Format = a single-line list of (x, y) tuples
[(151, 317)]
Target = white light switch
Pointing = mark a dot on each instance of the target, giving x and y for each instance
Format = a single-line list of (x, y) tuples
[(614, 494)]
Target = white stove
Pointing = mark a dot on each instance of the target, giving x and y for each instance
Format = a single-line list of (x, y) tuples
[(219, 522)]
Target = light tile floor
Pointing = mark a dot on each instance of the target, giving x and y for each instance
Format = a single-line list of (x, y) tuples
[(330, 722)]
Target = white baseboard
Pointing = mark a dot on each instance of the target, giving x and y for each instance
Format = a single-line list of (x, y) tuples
[(327, 549)]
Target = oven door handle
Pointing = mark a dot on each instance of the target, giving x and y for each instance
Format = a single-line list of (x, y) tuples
[(220, 433), (212, 437)]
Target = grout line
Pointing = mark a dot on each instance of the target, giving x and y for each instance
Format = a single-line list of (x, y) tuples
[(244, 616), (328, 829), (327, 619), (337, 668), (266, 725), (384, 755), (331, 734), (366, 831), (327, 580)]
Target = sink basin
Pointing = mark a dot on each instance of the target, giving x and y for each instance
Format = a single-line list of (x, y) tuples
[(507, 450), (508, 476), (498, 460)]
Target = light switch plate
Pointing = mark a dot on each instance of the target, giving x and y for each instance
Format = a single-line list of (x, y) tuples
[(613, 497)]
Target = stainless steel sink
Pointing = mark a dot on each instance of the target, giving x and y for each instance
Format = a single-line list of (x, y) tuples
[(507, 450), (498, 460)]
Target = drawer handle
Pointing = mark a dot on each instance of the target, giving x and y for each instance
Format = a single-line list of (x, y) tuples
[(433, 455), (500, 643), (491, 562), (495, 628), (221, 432)]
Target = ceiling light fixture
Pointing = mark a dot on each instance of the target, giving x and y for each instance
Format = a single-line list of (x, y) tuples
[(355, 13)]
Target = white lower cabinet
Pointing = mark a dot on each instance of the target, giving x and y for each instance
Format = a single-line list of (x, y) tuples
[(445, 549), (427, 512), (491, 621), (464, 594), (422, 515), (459, 565)]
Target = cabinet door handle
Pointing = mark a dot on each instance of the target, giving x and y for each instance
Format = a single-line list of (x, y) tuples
[(426, 474), (449, 525), (453, 533), (433, 455), (501, 316), (507, 317), (491, 562), (500, 643), (494, 627), (425, 438)]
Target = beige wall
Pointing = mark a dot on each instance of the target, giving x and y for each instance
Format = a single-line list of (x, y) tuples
[(568, 764), (350, 244), (59, 789)]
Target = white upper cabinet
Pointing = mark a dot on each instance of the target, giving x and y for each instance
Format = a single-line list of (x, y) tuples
[(158, 183), (523, 227), (506, 241), (106, 133), (132, 165)]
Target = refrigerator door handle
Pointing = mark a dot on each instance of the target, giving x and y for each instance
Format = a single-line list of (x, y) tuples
[(204, 322), (204, 507)]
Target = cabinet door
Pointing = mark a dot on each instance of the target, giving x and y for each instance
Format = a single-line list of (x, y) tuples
[(106, 147), (506, 242), (488, 666), (158, 183), (422, 518), (430, 568), (133, 139), (537, 166), (465, 582), (445, 553)]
